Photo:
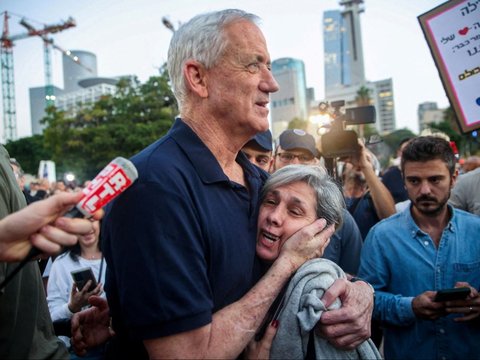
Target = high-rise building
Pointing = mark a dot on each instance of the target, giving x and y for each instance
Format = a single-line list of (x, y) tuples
[(343, 51), (428, 113), (344, 65), (290, 101), (90, 90), (37, 107), (82, 86), (384, 106), (73, 72)]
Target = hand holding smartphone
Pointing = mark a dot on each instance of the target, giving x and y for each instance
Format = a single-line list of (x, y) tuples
[(81, 277), (459, 293)]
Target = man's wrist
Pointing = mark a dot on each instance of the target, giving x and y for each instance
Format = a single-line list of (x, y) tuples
[(355, 279)]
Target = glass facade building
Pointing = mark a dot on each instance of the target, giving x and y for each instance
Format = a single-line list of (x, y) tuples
[(290, 101)]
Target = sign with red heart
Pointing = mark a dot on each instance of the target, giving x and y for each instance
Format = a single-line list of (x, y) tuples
[(452, 31)]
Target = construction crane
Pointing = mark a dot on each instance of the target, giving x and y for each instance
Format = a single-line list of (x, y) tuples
[(47, 43), (7, 70)]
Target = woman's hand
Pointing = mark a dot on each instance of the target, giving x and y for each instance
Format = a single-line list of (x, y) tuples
[(79, 299), (261, 349)]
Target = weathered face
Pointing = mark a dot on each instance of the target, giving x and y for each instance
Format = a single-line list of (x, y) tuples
[(283, 211), (240, 83), (428, 185)]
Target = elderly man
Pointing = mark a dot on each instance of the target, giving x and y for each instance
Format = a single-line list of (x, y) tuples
[(428, 247), (180, 243)]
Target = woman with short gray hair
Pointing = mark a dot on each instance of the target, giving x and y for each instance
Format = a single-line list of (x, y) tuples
[(294, 197)]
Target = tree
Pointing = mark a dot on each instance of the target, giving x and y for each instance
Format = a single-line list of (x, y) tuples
[(116, 125), (29, 151), (298, 123), (363, 97), (394, 138)]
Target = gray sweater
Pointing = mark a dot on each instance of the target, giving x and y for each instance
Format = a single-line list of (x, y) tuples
[(303, 309)]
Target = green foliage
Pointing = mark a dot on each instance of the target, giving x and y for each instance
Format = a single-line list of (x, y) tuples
[(297, 123), (119, 125), (395, 137), (28, 152), (363, 97)]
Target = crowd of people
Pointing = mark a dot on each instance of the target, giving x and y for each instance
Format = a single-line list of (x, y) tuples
[(231, 243)]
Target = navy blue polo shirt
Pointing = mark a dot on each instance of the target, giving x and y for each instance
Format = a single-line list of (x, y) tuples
[(180, 242)]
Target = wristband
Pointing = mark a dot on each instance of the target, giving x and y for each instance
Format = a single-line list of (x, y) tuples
[(355, 279)]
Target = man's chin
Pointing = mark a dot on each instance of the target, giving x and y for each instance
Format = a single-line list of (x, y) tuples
[(429, 210)]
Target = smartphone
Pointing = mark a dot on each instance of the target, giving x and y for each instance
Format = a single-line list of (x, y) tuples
[(459, 293), (81, 276)]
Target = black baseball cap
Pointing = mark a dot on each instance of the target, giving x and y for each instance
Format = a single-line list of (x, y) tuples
[(298, 139), (263, 139)]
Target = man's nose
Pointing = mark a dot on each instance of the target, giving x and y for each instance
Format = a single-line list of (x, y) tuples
[(425, 188), (295, 160), (269, 84)]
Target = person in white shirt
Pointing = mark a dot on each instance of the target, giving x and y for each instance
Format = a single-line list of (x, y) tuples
[(63, 297)]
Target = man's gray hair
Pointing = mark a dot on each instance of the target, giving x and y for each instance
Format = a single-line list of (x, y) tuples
[(201, 39), (330, 201)]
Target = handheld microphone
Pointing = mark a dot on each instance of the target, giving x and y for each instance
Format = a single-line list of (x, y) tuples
[(114, 179)]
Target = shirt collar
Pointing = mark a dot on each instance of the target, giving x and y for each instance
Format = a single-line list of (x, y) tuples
[(202, 159), (415, 230)]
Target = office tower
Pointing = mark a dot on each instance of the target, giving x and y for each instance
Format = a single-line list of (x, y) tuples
[(37, 107), (343, 47), (384, 105), (290, 102), (89, 91), (73, 72), (344, 65), (82, 87), (428, 113)]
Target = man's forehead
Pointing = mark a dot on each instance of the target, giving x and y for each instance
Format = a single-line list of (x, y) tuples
[(295, 151), (425, 168)]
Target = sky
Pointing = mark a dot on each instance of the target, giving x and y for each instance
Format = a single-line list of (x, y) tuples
[(128, 38)]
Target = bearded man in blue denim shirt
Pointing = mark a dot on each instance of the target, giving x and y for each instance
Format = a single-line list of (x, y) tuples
[(425, 248)]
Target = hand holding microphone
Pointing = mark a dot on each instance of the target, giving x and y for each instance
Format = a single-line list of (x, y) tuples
[(41, 224), (115, 178)]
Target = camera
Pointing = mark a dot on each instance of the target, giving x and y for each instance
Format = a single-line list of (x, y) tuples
[(339, 142)]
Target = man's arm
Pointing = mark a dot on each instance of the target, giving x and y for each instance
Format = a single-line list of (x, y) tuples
[(41, 225), (389, 308), (234, 326), (349, 326), (91, 327), (381, 196)]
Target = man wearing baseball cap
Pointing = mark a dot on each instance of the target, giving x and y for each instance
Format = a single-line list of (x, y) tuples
[(258, 150), (295, 146)]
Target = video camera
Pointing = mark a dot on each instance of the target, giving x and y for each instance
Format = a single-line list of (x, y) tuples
[(339, 142)]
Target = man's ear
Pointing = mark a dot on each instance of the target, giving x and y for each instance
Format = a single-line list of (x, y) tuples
[(194, 74)]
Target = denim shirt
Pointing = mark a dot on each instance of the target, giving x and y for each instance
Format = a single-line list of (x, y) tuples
[(401, 262)]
